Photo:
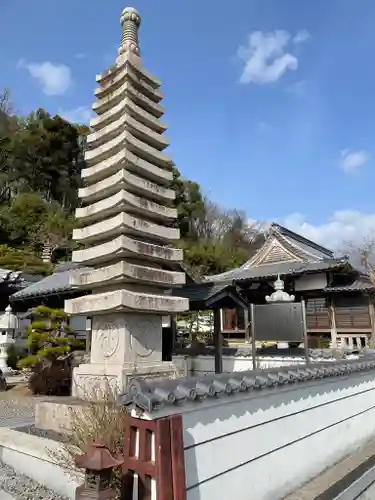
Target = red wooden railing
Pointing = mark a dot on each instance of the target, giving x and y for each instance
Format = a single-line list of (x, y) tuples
[(154, 466)]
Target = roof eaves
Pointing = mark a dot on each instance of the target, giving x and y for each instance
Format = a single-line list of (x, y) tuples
[(41, 293), (227, 291), (356, 286), (304, 269)]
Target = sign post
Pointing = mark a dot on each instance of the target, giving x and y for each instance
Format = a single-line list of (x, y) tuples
[(253, 342)]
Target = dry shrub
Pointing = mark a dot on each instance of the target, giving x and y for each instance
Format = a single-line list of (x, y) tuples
[(99, 418), (53, 380)]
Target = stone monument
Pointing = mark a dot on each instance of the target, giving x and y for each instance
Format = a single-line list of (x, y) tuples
[(127, 225)]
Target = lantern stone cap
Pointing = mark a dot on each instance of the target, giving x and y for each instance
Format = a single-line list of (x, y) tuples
[(97, 458), (8, 320)]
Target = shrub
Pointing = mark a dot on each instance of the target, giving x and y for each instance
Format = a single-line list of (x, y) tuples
[(99, 419), (52, 380), (51, 342)]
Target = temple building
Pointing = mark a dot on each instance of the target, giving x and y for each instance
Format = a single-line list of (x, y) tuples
[(338, 297), (51, 291)]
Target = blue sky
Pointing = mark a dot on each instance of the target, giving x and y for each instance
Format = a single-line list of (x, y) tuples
[(270, 104)]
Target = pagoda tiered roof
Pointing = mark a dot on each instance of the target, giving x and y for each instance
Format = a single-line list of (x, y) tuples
[(126, 221)]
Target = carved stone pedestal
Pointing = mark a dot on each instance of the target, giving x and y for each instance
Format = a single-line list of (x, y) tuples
[(123, 346)]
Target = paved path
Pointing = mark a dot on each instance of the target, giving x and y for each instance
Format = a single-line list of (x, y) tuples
[(16, 411)]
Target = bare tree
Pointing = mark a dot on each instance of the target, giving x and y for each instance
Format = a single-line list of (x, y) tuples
[(215, 224), (6, 106), (363, 256)]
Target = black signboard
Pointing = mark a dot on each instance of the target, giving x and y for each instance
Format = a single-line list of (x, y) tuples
[(283, 321)]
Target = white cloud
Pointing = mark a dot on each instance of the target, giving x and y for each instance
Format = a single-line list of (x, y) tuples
[(301, 37), (54, 78), (266, 57), (351, 161), (80, 115), (342, 228)]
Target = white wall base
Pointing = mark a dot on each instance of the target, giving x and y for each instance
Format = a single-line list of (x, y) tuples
[(29, 455)]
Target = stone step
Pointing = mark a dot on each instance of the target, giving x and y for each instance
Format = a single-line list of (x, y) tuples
[(6, 496)]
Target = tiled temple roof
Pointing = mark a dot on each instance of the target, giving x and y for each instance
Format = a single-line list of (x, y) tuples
[(362, 284), (285, 268), (283, 252), (58, 282), (154, 396), (204, 295)]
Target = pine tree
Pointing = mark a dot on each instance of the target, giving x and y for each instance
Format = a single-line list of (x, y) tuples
[(49, 337)]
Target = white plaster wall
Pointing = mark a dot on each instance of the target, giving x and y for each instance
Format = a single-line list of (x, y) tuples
[(311, 282), (369, 494), (205, 365), (264, 445), (35, 457)]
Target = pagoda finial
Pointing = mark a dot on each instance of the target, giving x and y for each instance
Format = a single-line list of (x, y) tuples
[(130, 22)]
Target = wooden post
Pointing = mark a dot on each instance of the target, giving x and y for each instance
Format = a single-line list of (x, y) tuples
[(253, 341), (218, 342), (247, 326), (372, 319), (304, 325), (333, 323)]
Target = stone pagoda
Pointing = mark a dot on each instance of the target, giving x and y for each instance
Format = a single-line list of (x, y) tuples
[(126, 225)]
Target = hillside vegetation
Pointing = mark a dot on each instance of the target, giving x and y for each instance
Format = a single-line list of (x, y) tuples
[(41, 157)]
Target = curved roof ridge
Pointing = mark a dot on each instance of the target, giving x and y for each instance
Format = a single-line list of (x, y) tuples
[(284, 231)]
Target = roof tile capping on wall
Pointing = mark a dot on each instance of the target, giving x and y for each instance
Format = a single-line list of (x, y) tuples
[(152, 397), (263, 434)]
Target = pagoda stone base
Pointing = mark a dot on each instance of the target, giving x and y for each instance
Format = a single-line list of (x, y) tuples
[(97, 381), (123, 346)]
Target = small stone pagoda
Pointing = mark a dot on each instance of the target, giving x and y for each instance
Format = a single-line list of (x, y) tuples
[(127, 225)]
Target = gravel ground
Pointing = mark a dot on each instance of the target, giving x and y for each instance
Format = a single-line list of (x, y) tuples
[(22, 487), (15, 410)]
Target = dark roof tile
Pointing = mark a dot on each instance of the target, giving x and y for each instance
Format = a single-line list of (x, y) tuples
[(58, 282), (154, 396), (204, 295), (283, 268), (359, 285)]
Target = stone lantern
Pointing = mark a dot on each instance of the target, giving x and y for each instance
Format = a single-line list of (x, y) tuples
[(98, 464), (8, 327)]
